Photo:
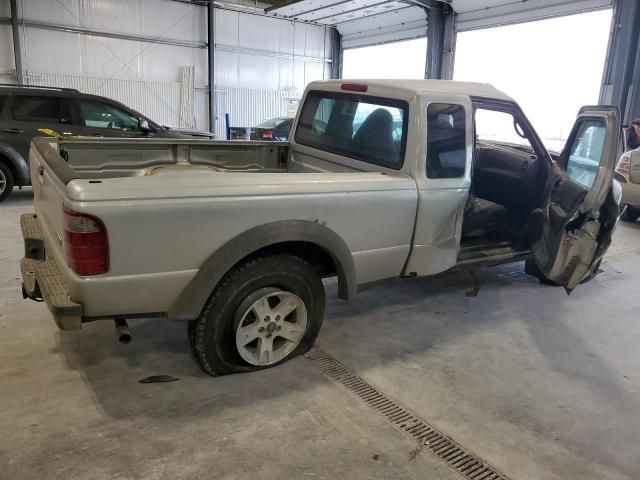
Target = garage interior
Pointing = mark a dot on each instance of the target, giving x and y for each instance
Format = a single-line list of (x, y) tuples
[(512, 378)]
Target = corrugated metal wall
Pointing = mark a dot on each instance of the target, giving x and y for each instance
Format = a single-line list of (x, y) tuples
[(158, 100), (250, 106), (259, 60), (263, 63), (7, 65)]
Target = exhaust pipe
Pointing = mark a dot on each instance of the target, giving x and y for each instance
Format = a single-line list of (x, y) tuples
[(122, 331)]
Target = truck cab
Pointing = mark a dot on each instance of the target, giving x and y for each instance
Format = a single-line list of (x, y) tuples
[(488, 190)]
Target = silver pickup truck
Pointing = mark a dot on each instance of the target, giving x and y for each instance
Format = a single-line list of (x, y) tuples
[(380, 179)]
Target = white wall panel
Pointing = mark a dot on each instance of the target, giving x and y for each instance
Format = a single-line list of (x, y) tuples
[(255, 71), (80, 54), (6, 49), (286, 55), (226, 27), (143, 17)]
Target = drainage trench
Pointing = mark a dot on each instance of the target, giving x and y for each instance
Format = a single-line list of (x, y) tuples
[(427, 437)]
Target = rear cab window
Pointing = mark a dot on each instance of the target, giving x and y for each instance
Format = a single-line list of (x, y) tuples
[(365, 128)]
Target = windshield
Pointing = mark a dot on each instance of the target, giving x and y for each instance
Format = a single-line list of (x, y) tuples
[(273, 123)]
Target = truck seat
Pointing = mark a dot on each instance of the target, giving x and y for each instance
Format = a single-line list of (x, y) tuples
[(482, 217), (374, 138)]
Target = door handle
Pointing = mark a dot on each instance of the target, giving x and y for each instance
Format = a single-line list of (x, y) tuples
[(12, 130)]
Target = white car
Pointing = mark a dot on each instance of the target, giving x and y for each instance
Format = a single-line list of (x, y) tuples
[(628, 174), (380, 179)]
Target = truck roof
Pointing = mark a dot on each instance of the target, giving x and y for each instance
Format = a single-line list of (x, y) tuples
[(473, 89)]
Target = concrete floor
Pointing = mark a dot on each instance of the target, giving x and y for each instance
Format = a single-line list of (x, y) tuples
[(542, 385)]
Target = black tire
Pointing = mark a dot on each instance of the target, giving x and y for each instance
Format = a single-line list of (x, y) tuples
[(631, 214), (212, 335), (9, 182)]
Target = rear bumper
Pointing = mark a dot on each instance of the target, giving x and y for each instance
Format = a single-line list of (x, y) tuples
[(42, 278)]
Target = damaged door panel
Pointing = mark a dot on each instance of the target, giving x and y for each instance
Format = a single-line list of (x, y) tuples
[(581, 211)]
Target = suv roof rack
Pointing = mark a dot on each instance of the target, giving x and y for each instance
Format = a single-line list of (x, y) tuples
[(39, 87)]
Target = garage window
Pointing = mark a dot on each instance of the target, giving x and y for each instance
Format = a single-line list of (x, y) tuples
[(446, 140), (369, 129)]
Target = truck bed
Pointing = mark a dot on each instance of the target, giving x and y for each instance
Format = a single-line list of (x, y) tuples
[(165, 217), (113, 157)]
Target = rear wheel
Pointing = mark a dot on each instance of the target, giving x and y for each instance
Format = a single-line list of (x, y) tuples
[(6, 182), (264, 312), (631, 214)]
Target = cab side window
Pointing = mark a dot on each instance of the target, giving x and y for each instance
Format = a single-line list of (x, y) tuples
[(446, 140), (45, 109), (102, 115), (3, 100)]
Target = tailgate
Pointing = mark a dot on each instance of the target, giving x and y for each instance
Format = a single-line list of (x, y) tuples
[(49, 177)]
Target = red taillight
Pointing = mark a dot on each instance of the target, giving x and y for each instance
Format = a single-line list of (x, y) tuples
[(355, 87), (267, 134), (624, 166), (86, 243)]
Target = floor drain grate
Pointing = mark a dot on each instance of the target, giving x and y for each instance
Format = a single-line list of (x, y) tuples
[(428, 438)]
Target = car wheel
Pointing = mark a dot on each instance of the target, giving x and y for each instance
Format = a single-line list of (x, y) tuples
[(631, 214), (6, 182), (263, 313)]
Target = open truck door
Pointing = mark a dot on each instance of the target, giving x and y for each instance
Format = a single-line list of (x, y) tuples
[(582, 208)]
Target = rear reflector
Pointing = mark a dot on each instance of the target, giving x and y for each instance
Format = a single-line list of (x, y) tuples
[(86, 243), (354, 87)]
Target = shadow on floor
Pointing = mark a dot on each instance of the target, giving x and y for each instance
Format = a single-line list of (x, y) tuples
[(19, 198), (111, 370)]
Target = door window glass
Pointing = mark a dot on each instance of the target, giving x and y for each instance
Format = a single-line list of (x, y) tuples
[(499, 127), (322, 114), (3, 100), (368, 129), (446, 141), (103, 115), (43, 109), (586, 152)]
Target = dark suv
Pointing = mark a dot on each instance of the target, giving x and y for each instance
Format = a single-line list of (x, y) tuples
[(25, 109)]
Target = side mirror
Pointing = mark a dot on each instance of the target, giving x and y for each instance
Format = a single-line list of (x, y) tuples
[(144, 125)]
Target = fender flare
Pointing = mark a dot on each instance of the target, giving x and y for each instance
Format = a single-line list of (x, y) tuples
[(18, 162), (191, 301)]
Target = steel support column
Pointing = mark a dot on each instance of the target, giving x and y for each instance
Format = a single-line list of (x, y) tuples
[(621, 77), (17, 50), (449, 44), (211, 44), (336, 54), (441, 39)]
